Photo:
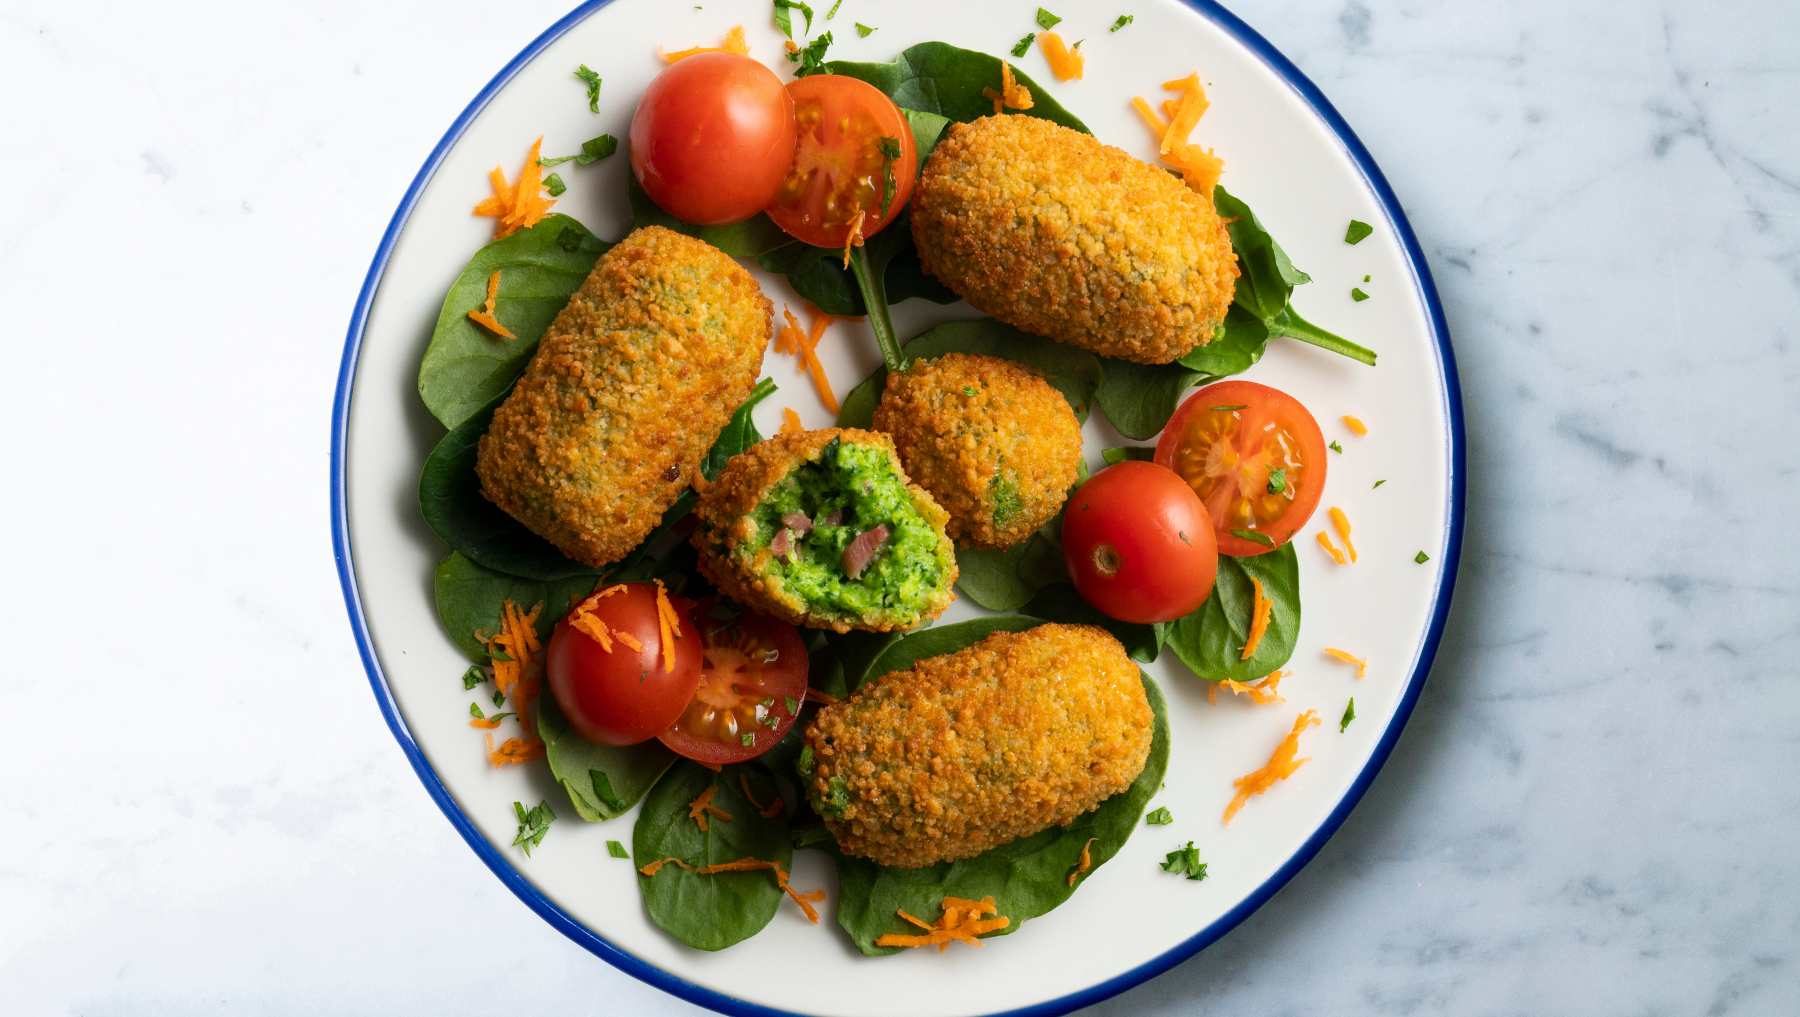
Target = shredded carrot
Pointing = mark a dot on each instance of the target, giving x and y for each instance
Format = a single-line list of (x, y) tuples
[(821, 697), (484, 723), (1065, 63), (629, 641), (1212, 693), (769, 811), (484, 315), (854, 238), (909, 918), (1191, 104), (1362, 666), (519, 205), (1261, 692), (512, 751), (1084, 863), (1281, 766), (1355, 424), (961, 922), (1158, 126), (668, 627), (517, 670), (609, 591), (1012, 95), (805, 900), (702, 807), (1199, 167), (1341, 523), (790, 421), (793, 339), (594, 629), (655, 867), (733, 43), (1260, 609), (1324, 540)]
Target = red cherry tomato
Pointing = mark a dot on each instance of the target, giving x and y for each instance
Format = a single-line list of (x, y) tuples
[(1139, 544), (1256, 458), (628, 692), (851, 138), (752, 682), (713, 138)]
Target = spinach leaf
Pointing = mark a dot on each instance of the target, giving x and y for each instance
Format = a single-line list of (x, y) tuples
[(707, 912), (1007, 580), (751, 238), (1075, 373), (1210, 640), (465, 367), (1266, 281), (602, 781), (1139, 398), (468, 597), (1059, 602), (947, 80), (1026, 878)]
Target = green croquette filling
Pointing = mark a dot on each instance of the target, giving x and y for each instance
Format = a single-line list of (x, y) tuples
[(850, 490), (1005, 497)]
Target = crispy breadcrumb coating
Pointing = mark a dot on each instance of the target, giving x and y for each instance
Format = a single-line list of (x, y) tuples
[(967, 751), (995, 444), (631, 385), (1050, 231)]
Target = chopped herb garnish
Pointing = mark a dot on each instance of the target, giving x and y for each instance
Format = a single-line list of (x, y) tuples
[(890, 150), (863, 31), (1023, 46), (472, 677), (1421, 558), (1366, 278), (475, 711), (1046, 20), (1254, 537), (533, 824), (1277, 480), (571, 238), (603, 790), (499, 656), (617, 850), (595, 149), (1335, 447), (1228, 409), (1185, 861), (747, 739), (1357, 231), (1114, 456), (499, 699), (792, 704), (554, 184), (1357, 294), (1160, 817), (785, 21), (1123, 20), (968, 390), (1378, 483), (592, 79), (1349, 715), (833, 12), (811, 57)]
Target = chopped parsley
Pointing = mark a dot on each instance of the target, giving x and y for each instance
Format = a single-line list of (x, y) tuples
[(1357, 294), (1254, 537), (554, 184), (833, 12), (1114, 456), (1335, 447), (475, 711), (473, 677), (570, 239), (1023, 46), (1229, 409), (969, 390), (863, 31), (890, 150), (811, 57), (1421, 558), (603, 790), (1349, 715), (1378, 483), (1046, 20), (1160, 817), (747, 739), (784, 20), (499, 699), (533, 824), (1185, 861), (1357, 231), (592, 79), (1367, 278), (592, 151), (617, 850), (1123, 20), (792, 704), (1277, 480)]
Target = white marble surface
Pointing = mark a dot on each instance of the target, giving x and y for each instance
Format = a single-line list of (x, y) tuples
[(1593, 811)]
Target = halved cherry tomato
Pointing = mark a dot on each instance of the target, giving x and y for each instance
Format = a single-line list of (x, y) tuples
[(1256, 458), (852, 141), (1138, 543), (629, 692), (713, 138), (752, 682)]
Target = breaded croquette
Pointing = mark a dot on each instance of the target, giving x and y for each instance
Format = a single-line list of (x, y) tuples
[(996, 445), (1050, 231), (823, 529), (971, 750), (632, 383)]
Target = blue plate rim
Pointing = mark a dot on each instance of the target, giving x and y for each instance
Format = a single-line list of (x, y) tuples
[(675, 985)]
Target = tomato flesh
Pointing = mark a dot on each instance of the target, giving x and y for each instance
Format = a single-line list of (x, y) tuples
[(850, 137), (610, 692), (1256, 458), (712, 138), (752, 682), (1138, 543)]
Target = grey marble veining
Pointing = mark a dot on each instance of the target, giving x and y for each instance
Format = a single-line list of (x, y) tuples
[(1593, 811)]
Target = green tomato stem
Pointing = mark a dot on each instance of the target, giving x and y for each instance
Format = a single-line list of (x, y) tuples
[(873, 287)]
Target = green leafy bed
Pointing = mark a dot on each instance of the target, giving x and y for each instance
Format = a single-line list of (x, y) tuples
[(465, 373)]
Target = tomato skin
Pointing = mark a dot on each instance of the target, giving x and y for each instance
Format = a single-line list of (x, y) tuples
[(838, 168), (1269, 421), (1138, 543), (624, 696), (712, 138), (752, 667)]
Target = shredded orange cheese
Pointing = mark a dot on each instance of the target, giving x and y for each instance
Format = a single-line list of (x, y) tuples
[(960, 922), (1260, 692), (484, 315), (795, 340), (790, 421), (1064, 62), (668, 628), (1281, 766), (1012, 95), (1084, 863), (517, 671), (1362, 666), (1341, 523), (1355, 424), (1158, 126), (1199, 167), (733, 43), (805, 900), (513, 751), (702, 807), (517, 205), (1260, 609), (1324, 540), (485, 723)]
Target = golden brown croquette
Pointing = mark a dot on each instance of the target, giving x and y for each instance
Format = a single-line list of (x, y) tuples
[(967, 751), (823, 529), (631, 385), (1052, 232), (996, 445)]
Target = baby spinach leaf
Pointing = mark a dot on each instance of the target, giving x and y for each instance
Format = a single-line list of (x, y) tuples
[(1139, 398), (1075, 373), (468, 597), (465, 367), (707, 912), (908, 650), (1060, 602), (1026, 878), (947, 80), (1210, 641), (751, 238), (602, 781), (1266, 281), (1007, 580)]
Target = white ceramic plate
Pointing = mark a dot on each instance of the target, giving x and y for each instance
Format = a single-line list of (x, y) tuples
[(1293, 159)]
